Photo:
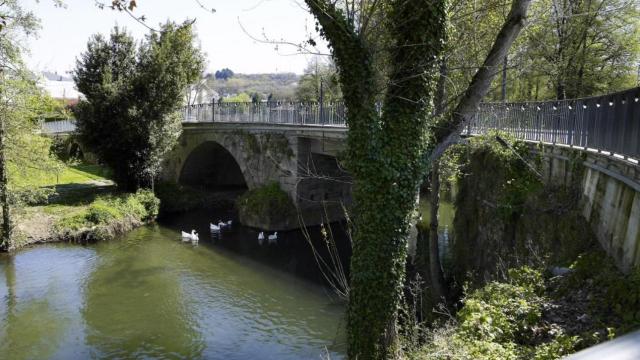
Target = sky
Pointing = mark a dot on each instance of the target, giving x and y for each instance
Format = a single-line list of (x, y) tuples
[(65, 31)]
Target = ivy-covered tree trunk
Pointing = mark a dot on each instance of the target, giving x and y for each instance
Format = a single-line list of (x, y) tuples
[(387, 151), (385, 157), (435, 267)]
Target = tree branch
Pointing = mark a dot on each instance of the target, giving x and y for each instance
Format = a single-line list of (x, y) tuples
[(449, 134)]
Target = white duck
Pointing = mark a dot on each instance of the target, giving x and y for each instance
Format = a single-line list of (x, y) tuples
[(273, 238), (186, 237), (214, 227), (261, 238)]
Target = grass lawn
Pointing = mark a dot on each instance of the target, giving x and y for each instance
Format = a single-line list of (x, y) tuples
[(75, 174), (83, 173), (77, 188)]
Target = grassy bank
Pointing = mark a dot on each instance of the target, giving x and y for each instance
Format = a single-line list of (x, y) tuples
[(69, 174), (89, 214), (83, 206)]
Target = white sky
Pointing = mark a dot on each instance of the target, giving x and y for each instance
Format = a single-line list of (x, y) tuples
[(65, 32)]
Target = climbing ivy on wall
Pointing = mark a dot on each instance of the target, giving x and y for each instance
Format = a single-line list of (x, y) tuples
[(276, 145)]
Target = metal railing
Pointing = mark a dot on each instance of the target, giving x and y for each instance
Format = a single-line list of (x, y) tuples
[(329, 114), (58, 127), (609, 123)]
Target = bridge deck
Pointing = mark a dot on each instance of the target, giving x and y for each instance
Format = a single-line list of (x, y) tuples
[(609, 123)]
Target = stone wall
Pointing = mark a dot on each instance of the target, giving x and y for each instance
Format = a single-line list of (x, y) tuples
[(302, 165)]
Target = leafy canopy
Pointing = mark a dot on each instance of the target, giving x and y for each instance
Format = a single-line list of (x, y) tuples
[(133, 93)]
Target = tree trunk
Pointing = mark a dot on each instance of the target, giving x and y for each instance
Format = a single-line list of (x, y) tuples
[(441, 89), (386, 153), (504, 79), (436, 275), (448, 133), (435, 267), (5, 231)]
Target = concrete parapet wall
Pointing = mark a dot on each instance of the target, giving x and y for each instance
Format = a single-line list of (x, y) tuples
[(610, 188)]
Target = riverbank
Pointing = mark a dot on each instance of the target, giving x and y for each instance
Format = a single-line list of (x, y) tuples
[(82, 206), (539, 313), (88, 214)]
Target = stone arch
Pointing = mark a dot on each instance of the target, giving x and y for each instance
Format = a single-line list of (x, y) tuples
[(211, 165), (75, 151)]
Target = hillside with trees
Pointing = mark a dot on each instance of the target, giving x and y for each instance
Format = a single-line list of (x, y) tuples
[(226, 83)]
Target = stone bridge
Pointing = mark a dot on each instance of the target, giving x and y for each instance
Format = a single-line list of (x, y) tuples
[(244, 145), (298, 146), (303, 160)]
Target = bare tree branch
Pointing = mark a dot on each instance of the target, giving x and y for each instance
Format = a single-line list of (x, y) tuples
[(449, 134)]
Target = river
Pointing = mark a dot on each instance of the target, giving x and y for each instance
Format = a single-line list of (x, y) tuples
[(148, 295)]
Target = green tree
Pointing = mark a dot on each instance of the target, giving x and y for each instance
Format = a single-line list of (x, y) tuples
[(224, 74), (581, 48), (133, 94), (16, 90), (319, 77), (387, 151), (571, 48)]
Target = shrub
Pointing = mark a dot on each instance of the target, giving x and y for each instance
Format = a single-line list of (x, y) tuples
[(142, 206), (500, 321), (560, 346), (150, 203), (266, 201), (33, 197), (102, 212)]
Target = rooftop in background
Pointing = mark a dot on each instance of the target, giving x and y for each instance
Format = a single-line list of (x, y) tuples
[(54, 76), (60, 87)]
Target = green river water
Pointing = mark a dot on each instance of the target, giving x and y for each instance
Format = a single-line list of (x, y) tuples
[(147, 295)]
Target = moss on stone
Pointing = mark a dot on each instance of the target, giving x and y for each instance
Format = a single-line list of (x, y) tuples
[(267, 205)]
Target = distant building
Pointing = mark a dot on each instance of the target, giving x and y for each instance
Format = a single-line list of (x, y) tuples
[(60, 87), (201, 94)]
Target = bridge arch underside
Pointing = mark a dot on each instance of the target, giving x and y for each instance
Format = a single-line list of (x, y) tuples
[(211, 166), (75, 151)]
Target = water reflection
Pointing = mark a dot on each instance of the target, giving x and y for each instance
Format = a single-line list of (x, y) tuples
[(39, 298), (446, 213), (134, 304)]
